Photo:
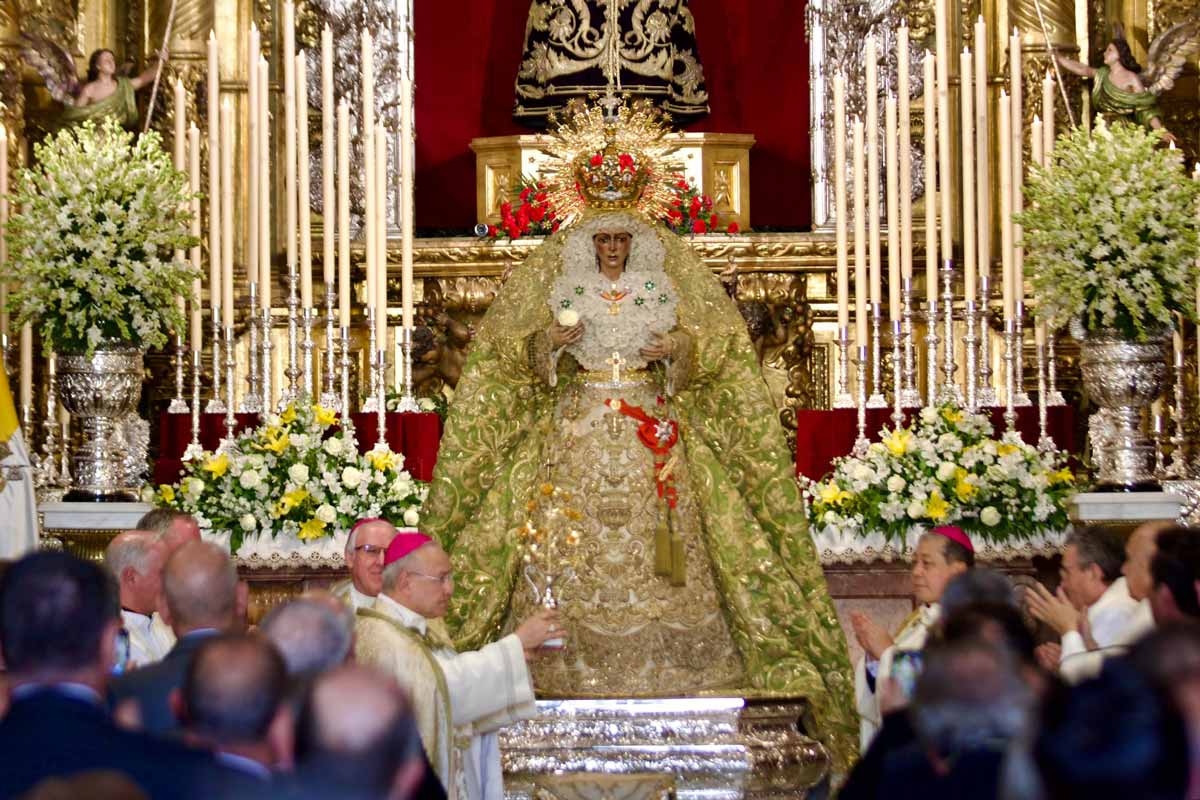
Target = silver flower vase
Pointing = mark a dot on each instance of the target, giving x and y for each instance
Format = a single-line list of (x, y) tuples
[(99, 390), (1123, 377)]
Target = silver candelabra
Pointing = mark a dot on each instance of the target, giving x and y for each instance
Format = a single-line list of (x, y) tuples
[(197, 363), (344, 368), (876, 399), (986, 393), (1045, 443), (931, 350), (969, 341), (1179, 465), (897, 380), (230, 405), (861, 444), (912, 395), (1054, 396), (268, 378), (291, 392), (375, 397), (950, 391), (252, 401), (1010, 414), (306, 350), (1021, 399), (408, 402), (178, 406), (216, 405), (329, 395), (843, 399)]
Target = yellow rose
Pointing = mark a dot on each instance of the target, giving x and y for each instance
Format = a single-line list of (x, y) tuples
[(313, 529), (217, 465), (936, 507), (382, 460), (167, 493), (324, 416), (898, 442), (289, 415)]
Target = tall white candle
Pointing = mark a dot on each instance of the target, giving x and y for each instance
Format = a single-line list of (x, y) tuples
[(893, 208), (983, 192), (197, 332), (289, 133), (367, 130), (931, 170), (1047, 118), (343, 212), (264, 186), (407, 161), (253, 112), (381, 264), (1036, 143), (1006, 228), (905, 121), (306, 282), (179, 161), (945, 165), (328, 199), (227, 213), (26, 387), (839, 201), (1017, 154), (872, 132), (214, 175), (968, 172), (4, 212), (860, 239)]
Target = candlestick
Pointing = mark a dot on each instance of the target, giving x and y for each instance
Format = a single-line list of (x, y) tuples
[(343, 215), (291, 392), (329, 395), (177, 404), (255, 117), (986, 397), (951, 393), (344, 364), (1021, 399), (931, 350), (1010, 415), (839, 201), (1017, 154), (268, 363), (843, 398), (328, 156), (861, 444), (1179, 465), (876, 399), (214, 193), (1006, 228), (226, 252), (381, 406), (967, 142), (264, 206), (306, 348), (1160, 471), (912, 395), (408, 401), (375, 394), (25, 386), (197, 361), (969, 341), (227, 443), (407, 229), (903, 93), (1045, 443), (51, 477), (1054, 397), (252, 400), (1048, 126), (291, 209), (216, 405), (945, 165), (983, 192), (893, 207), (897, 380), (195, 255)]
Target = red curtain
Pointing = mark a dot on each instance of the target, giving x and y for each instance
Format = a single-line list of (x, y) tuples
[(755, 58)]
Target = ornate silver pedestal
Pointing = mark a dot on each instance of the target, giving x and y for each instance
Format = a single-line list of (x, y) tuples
[(720, 748)]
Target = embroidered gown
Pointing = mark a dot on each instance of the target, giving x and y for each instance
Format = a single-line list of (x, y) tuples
[(744, 610)]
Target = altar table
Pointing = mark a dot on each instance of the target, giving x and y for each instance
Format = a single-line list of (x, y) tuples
[(825, 434), (416, 435)]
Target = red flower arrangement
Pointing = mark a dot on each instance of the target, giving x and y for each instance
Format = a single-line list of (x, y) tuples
[(692, 212), (532, 215)]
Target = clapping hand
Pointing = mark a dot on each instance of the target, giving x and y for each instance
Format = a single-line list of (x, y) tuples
[(871, 636), (1053, 609)]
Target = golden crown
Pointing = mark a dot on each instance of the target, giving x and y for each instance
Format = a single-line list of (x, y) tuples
[(609, 154)]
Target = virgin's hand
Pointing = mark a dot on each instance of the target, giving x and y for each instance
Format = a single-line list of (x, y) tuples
[(661, 346), (560, 336)]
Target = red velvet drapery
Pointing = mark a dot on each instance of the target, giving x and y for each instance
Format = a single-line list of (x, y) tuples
[(755, 60)]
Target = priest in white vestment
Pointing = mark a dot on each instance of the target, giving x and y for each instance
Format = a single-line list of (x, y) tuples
[(941, 554), (18, 505), (365, 548), (460, 699), (136, 559), (1093, 612)]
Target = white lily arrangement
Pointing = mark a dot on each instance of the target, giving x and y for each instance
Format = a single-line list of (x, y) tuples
[(946, 469), (93, 246), (298, 475)]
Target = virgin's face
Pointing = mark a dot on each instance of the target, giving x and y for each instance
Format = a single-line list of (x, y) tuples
[(612, 249)]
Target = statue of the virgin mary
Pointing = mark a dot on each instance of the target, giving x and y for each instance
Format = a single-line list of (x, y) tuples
[(614, 369)]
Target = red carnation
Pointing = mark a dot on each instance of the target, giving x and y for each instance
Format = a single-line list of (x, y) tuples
[(513, 231), (677, 202), (707, 202), (626, 162), (525, 193), (712, 222), (674, 215), (538, 213), (682, 185), (597, 160), (540, 197), (554, 227), (523, 216), (493, 231), (506, 209), (733, 228), (698, 226), (695, 208)]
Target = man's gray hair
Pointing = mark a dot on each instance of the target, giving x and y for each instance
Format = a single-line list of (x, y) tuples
[(127, 551), (159, 520), (311, 637), (1101, 545), (392, 572)]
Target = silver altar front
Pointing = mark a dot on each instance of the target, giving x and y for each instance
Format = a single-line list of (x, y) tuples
[(720, 748)]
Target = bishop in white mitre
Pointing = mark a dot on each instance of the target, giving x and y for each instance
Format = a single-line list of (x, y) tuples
[(460, 700)]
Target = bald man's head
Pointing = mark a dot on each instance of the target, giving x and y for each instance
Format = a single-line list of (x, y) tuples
[(233, 689), (200, 585)]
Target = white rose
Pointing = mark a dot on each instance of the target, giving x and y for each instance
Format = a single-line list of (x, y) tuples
[(333, 446), (193, 487), (299, 440), (351, 477), (250, 479), (945, 470), (990, 516), (896, 483), (568, 318), (248, 522), (426, 404), (412, 517), (916, 509), (298, 473), (326, 513)]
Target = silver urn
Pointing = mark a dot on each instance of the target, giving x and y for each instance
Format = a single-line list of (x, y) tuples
[(1123, 377), (98, 390)]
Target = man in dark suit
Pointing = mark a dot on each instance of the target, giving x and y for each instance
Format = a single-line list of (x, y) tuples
[(59, 622), (203, 599), (232, 702)]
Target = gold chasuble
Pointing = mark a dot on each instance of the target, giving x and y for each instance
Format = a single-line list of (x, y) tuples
[(690, 568), (644, 48)]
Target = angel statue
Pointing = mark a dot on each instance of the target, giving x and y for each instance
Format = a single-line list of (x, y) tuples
[(1122, 89), (106, 91)]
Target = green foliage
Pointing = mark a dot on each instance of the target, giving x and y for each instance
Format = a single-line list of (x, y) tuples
[(1110, 232), (92, 247)]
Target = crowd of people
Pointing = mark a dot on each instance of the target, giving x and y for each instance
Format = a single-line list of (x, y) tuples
[(139, 678), (998, 690)]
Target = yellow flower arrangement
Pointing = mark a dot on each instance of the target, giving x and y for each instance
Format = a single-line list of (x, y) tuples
[(313, 529), (324, 416), (936, 507), (167, 493), (898, 442), (382, 460), (217, 465)]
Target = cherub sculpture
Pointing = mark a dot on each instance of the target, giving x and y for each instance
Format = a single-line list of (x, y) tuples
[(106, 91), (1122, 89)]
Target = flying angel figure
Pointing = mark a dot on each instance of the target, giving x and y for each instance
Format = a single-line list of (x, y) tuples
[(1122, 89), (106, 91)]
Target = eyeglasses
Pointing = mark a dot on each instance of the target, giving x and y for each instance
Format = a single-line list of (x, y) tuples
[(370, 550), (445, 580)]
